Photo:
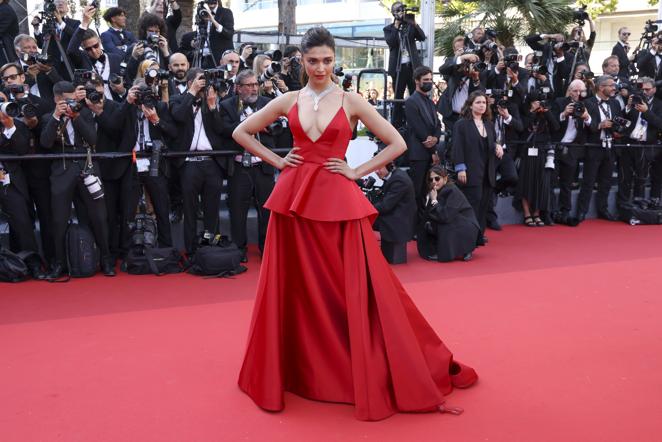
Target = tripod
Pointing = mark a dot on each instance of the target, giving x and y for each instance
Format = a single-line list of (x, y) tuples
[(49, 36), (580, 50), (403, 40), (202, 41)]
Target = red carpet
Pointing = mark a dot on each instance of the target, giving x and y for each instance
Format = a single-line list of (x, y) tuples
[(563, 325)]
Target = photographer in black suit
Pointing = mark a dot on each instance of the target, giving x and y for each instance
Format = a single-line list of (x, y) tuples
[(152, 45), (14, 194), (200, 129), (621, 49), (553, 58), (575, 122), (648, 62), (644, 111), (39, 76), (71, 129), (92, 58), (397, 210), (401, 37), (218, 24), (250, 179), (423, 129), (65, 28), (599, 163)]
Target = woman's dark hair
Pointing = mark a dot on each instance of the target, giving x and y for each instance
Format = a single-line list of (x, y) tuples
[(440, 170), (148, 20), (466, 109), (315, 37), (290, 51)]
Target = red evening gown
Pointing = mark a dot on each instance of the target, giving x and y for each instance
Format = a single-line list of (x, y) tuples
[(331, 321)]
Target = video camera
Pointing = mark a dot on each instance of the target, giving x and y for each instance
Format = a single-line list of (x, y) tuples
[(651, 29), (580, 15)]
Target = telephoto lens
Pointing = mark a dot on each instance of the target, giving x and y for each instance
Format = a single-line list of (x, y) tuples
[(549, 159), (10, 108), (93, 185)]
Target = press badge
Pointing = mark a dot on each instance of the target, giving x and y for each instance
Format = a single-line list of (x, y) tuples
[(142, 164), (4, 178), (533, 151)]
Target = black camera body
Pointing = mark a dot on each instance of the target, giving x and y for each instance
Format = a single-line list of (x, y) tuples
[(92, 94), (153, 76), (276, 128), (217, 79), (579, 109), (512, 61), (151, 40), (580, 15), (75, 106), (620, 125), (539, 69), (145, 96), (118, 78), (587, 75), (500, 96), (544, 95), (82, 76), (45, 59), (637, 98)]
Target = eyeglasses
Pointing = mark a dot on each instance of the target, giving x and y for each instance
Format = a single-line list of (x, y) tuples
[(249, 84), (89, 48), (627, 34), (11, 77), (436, 179)]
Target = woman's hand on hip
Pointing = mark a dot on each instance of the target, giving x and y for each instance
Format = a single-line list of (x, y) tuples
[(337, 165), (292, 159)]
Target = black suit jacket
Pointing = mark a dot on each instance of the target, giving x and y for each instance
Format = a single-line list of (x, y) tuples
[(558, 107), (181, 109), (592, 108), (231, 119), (466, 150), (422, 121), (16, 145), (8, 30), (80, 59), (397, 208), (454, 74), (109, 133), (84, 132), (70, 27), (511, 132), (172, 22), (392, 36), (653, 117), (623, 60), (45, 83), (560, 75), (647, 65), (499, 80)]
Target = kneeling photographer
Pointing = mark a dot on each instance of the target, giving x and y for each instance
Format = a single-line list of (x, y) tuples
[(397, 210), (448, 227), (251, 180), (644, 111)]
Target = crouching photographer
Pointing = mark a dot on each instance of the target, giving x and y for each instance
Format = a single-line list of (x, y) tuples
[(397, 212), (448, 226)]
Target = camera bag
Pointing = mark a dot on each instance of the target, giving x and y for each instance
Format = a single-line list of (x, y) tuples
[(81, 251), (13, 267), (221, 260), (153, 260), (641, 212)]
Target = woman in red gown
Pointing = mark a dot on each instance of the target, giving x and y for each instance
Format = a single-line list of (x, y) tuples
[(331, 321)]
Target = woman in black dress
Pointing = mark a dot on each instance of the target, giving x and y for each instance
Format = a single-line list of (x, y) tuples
[(475, 152), (537, 162), (448, 226)]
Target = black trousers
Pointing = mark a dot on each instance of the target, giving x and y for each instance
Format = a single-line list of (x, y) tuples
[(200, 179), (40, 194), (65, 185), (118, 196), (568, 164), (157, 187), (656, 174), (598, 167), (400, 82), (633, 165), (249, 185), (15, 207), (479, 197), (418, 170), (507, 178)]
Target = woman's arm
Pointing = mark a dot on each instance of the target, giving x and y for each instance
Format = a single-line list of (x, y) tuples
[(244, 133), (395, 145)]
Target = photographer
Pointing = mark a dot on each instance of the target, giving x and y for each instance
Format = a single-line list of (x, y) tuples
[(200, 129), (250, 180), (172, 21), (509, 75), (423, 130), (553, 58), (537, 75), (32, 106), (584, 74), (397, 211), (575, 123), (648, 62), (152, 45), (270, 86), (621, 50), (178, 68), (41, 77), (215, 28), (14, 195), (8, 30), (71, 129), (462, 80), (64, 30), (231, 59), (401, 37), (448, 227), (644, 111), (475, 38), (92, 57), (291, 68), (537, 159), (116, 40), (577, 35), (606, 116), (610, 67)]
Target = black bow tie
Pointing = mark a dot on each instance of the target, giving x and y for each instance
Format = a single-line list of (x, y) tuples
[(180, 82), (603, 101), (101, 59)]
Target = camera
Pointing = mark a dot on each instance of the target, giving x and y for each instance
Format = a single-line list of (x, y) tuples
[(156, 147), (580, 15), (145, 96), (74, 106), (500, 96), (587, 75), (637, 99), (82, 76), (153, 76), (118, 78), (277, 127), (151, 40), (567, 45), (274, 68), (31, 59), (92, 94), (26, 108), (620, 125), (491, 34), (49, 6), (650, 29), (512, 61), (369, 189), (480, 66), (201, 14), (10, 108), (218, 79), (579, 109), (489, 45), (347, 82), (540, 69), (544, 95)]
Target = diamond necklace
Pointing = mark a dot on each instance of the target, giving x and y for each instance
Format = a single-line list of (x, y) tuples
[(318, 97)]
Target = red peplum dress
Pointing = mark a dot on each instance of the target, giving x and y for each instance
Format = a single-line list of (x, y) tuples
[(331, 321)]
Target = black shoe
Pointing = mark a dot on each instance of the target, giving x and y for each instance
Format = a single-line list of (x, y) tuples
[(482, 240), (562, 217), (467, 257), (574, 222), (606, 215), (36, 272), (57, 271), (244, 257), (432, 258), (494, 225), (108, 267)]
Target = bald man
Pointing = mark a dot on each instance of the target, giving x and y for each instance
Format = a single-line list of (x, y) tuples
[(178, 67)]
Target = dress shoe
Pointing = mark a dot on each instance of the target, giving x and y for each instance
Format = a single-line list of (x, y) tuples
[(108, 267), (244, 257), (36, 272), (607, 215), (57, 271), (561, 217), (482, 240), (467, 257), (494, 225), (432, 258)]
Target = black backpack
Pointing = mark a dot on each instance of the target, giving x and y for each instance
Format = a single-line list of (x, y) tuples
[(641, 212), (217, 261), (143, 257), (13, 267), (82, 251)]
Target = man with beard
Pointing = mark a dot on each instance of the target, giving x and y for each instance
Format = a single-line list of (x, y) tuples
[(177, 84), (250, 179)]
